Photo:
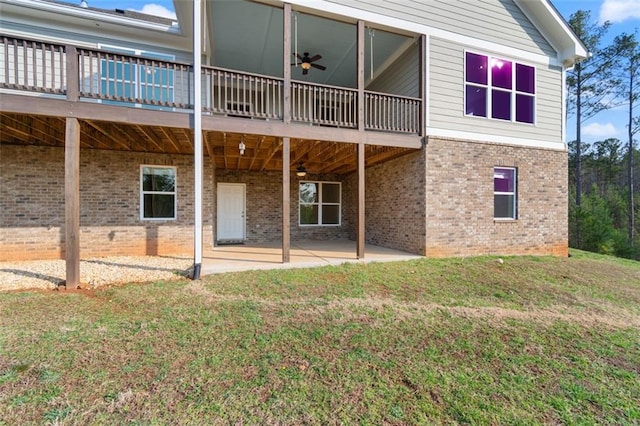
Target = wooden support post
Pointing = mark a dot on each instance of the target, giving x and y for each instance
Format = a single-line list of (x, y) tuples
[(286, 89), (361, 200), (360, 237), (72, 71), (72, 202), (360, 79), (286, 199), (423, 85)]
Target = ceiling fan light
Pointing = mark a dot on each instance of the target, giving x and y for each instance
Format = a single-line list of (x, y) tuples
[(305, 65), (301, 171)]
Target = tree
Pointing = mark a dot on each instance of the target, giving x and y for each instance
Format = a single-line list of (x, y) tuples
[(629, 89), (591, 82)]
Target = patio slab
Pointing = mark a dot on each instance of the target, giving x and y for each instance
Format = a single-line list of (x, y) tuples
[(303, 254)]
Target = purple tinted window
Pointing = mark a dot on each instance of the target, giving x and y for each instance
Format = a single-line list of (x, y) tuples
[(500, 73), (501, 104), (524, 108), (525, 79), (476, 101), (476, 68), (503, 180)]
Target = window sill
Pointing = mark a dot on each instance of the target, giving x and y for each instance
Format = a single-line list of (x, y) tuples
[(504, 220)]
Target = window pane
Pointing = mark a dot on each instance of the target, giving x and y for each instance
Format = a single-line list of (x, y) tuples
[(159, 206), (330, 193), (504, 206), (308, 214), (524, 108), (330, 215), (476, 68), (476, 101), (503, 180), (525, 79), (158, 179), (501, 73), (308, 192), (501, 104)]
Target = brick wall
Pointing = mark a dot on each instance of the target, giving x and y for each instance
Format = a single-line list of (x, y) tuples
[(459, 200), (32, 204), (394, 203), (264, 206)]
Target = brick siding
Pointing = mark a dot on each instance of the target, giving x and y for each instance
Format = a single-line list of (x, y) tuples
[(32, 204), (459, 200)]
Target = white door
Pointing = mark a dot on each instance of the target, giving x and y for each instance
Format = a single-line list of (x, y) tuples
[(231, 208)]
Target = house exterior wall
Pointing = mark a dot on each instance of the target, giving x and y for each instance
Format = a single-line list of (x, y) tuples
[(32, 205), (446, 98), (402, 77), (394, 203), (264, 206), (459, 199), (472, 18)]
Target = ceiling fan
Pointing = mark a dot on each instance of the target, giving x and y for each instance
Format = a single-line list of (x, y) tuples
[(306, 62)]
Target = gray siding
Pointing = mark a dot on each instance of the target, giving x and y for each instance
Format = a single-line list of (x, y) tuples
[(402, 77), (446, 96), (498, 21)]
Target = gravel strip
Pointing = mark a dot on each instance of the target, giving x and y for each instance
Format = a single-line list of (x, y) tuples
[(47, 274)]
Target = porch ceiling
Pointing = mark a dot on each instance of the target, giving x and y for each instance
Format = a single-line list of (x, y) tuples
[(262, 153)]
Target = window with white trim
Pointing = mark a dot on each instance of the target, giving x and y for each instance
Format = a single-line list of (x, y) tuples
[(157, 192), (320, 203), (504, 193), (499, 89)]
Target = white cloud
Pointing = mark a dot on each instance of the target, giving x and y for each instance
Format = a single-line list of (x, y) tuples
[(619, 10), (156, 10), (598, 130)]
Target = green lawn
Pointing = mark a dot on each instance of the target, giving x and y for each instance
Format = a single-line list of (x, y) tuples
[(471, 341)]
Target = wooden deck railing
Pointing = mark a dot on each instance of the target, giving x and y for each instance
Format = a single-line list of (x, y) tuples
[(241, 94), (392, 113), (126, 79), (324, 105), (32, 65)]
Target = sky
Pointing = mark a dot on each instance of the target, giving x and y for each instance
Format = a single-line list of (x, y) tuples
[(624, 16)]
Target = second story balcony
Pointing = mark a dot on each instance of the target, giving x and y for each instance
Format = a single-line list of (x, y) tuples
[(381, 93)]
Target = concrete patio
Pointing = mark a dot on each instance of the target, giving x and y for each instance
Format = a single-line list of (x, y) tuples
[(304, 254)]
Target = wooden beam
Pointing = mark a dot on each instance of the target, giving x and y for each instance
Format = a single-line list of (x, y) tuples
[(272, 151), (255, 152), (151, 138), (207, 141), (108, 135), (72, 202), (423, 85), (286, 202), (360, 238), (286, 49), (73, 74), (172, 141), (360, 76)]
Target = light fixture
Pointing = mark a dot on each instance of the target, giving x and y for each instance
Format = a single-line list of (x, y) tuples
[(241, 147), (306, 65), (301, 171)]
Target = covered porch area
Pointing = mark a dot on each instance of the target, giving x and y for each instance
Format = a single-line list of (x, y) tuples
[(303, 254)]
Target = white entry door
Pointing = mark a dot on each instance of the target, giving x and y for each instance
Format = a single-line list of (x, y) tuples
[(231, 212)]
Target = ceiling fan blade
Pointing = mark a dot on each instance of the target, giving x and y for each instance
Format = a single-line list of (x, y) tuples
[(305, 72), (320, 67), (297, 55), (294, 64), (315, 58)]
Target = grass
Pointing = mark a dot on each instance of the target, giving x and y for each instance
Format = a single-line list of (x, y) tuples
[(455, 341)]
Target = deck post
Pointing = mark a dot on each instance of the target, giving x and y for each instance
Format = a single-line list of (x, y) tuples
[(360, 238), (197, 137), (72, 202), (286, 88), (73, 78), (286, 199), (424, 70)]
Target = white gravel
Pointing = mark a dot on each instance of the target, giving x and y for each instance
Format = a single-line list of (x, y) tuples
[(48, 274)]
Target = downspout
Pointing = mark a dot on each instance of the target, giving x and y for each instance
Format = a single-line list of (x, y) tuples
[(197, 137)]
